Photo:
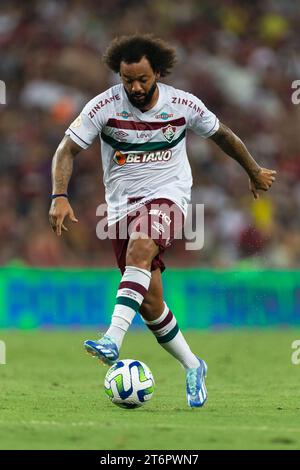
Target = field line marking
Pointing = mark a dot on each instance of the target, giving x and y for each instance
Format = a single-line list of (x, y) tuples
[(94, 423)]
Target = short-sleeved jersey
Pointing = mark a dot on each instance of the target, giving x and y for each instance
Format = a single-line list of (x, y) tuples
[(143, 153)]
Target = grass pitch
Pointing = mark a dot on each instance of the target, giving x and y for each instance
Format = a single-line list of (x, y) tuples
[(52, 394)]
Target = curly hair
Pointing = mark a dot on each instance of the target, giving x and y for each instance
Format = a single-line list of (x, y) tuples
[(131, 49)]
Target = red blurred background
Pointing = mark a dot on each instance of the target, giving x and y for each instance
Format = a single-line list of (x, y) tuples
[(240, 58)]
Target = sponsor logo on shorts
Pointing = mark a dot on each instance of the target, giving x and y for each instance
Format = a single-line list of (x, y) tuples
[(161, 214), (164, 116), (169, 132), (124, 114), (147, 157), (158, 227)]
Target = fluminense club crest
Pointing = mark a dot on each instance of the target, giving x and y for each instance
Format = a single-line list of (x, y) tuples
[(169, 132)]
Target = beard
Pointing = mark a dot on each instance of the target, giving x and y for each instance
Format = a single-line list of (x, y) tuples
[(145, 97)]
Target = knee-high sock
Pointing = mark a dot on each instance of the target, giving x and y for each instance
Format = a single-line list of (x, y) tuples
[(132, 290), (168, 335)]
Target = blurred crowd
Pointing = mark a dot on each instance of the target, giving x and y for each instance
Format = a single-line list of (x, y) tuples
[(239, 57)]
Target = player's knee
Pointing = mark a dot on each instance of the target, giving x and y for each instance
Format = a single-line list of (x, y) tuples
[(140, 252)]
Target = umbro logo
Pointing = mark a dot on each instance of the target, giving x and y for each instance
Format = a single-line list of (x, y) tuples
[(121, 135)]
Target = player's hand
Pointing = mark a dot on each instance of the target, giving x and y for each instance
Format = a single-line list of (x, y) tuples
[(60, 208), (262, 179)]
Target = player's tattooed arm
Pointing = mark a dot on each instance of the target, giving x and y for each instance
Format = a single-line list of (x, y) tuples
[(62, 167), (232, 145)]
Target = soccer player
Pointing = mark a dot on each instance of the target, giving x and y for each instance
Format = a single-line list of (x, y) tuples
[(142, 126)]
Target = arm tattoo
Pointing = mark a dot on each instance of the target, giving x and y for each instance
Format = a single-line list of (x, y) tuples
[(236, 149), (62, 167)]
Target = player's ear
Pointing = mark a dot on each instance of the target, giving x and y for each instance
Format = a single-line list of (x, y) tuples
[(157, 75)]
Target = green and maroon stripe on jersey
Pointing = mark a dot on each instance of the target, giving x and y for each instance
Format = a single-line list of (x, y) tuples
[(145, 147)]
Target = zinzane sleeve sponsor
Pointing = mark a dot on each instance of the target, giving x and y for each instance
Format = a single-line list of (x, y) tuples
[(200, 119), (83, 130)]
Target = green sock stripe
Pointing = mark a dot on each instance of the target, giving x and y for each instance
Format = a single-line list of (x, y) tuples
[(169, 336), (128, 303)]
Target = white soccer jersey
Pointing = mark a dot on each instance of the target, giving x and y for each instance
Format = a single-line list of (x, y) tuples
[(143, 153)]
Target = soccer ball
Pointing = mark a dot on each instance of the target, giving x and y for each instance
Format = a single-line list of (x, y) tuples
[(129, 383)]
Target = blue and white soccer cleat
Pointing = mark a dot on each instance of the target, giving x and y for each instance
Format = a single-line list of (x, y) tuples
[(104, 349), (195, 385)]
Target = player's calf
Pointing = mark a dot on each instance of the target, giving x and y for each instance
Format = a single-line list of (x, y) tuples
[(132, 290), (169, 336)]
